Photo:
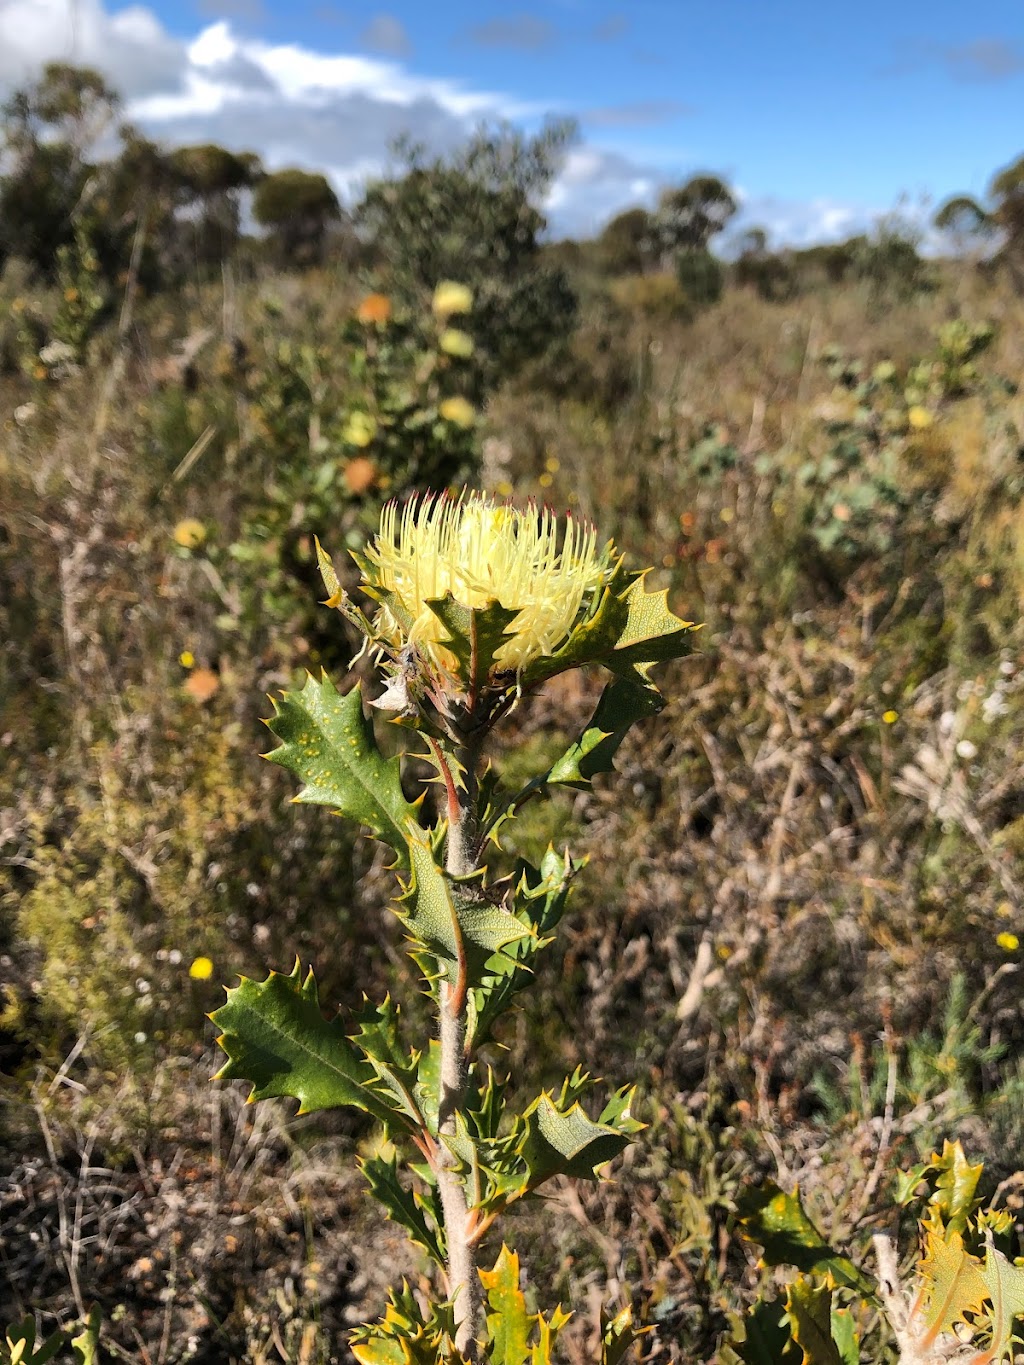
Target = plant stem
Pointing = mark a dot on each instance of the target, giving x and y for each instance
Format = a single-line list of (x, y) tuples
[(463, 1281)]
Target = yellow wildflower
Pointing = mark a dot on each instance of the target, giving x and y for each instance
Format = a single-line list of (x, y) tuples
[(189, 533), (919, 417), (1008, 942), (458, 410), (360, 429), (450, 297), (456, 343), (201, 969), (480, 552), (187, 659), (890, 717)]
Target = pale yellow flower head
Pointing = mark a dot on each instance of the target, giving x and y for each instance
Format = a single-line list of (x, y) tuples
[(451, 297), (458, 410), (481, 551), (456, 343)]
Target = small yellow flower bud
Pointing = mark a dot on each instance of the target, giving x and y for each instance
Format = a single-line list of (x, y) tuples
[(201, 969)]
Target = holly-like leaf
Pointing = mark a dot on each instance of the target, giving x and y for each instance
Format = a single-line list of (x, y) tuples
[(617, 1335), (450, 918), (622, 704), (277, 1039), (402, 1206), (508, 1323), (767, 1337), (407, 1336), (548, 1330), (561, 1140), (328, 743), (951, 1281), (474, 636), (538, 902), (779, 1222), (628, 630), (845, 1335), (397, 1069), (956, 1185), (1005, 1284), (809, 1310)]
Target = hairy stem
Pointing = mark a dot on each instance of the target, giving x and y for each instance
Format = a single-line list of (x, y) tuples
[(463, 1280)]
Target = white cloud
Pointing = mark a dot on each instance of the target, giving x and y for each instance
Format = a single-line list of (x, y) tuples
[(594, 185), (131, 47)]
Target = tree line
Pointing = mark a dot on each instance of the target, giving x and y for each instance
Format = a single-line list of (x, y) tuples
[(77, 176)]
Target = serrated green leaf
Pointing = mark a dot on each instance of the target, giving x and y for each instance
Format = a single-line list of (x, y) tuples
[(767, 1340), (397, 1069), (404, 1336), (845, 1335), (277, 1039), (554, 1141), (474, 636), (908, 1181), (548, 1330), (627, 631), (956, 1185), (778, 1221), (1005, 1284), (450, 919), (402, 1206), (538, 902), (508, 1323), (809, 1310), (330, 745), (622, 704), (617, 1335)]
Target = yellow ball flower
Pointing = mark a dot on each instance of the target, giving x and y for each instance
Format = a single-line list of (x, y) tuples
[(201, 969), (189, 533), (1008, 942), (187, 659), (890, 717), (450, 297), (919, 418), (456, 343), (360, 429), (481, 552), (458, 410)]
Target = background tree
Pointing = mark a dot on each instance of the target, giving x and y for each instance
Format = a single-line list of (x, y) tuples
[(209, 182), (475, 218), (964, 223), (49, 130), (688, 218), (627, 246), (298, 208), (1007, 192)]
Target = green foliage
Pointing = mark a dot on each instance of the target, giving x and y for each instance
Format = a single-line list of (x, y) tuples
[(329, 743), (298, 207), (473, 218), (701, 277)]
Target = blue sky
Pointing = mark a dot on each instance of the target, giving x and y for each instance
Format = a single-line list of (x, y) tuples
[(821, 114)]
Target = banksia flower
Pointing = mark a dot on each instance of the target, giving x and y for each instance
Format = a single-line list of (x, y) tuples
[(479, 553), (451, 297)]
